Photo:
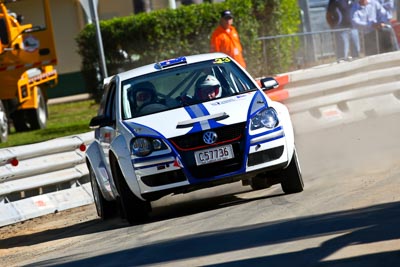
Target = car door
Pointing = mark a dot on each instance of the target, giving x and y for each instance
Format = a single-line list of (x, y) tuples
[(105, 134)]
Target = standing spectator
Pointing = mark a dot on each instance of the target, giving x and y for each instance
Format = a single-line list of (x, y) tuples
[(388, 32), (388, 5), (338, 16), (225, 39), (370, 17)]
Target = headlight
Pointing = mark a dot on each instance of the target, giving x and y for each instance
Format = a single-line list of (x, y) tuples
[(265, 118), (143, 146)]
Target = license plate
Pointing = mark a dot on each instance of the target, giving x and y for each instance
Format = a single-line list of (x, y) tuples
[(213, 154)]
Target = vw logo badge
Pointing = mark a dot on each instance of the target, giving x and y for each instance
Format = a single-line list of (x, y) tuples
[(210, 137)]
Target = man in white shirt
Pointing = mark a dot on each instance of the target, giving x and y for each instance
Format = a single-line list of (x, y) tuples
[(388, 5), (371, 19)]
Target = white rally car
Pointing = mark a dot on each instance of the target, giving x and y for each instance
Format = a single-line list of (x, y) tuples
[(185, 124)]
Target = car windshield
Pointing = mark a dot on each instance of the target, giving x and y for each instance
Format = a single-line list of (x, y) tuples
[(181, 86)]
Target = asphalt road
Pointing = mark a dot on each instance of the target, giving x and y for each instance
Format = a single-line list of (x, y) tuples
[(348, 215)]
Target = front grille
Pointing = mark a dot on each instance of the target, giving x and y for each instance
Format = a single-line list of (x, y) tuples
[(226, 133), (265, 156), (233, 134)]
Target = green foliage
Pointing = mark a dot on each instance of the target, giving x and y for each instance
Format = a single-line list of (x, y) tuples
[(169, 33), (278, 18)]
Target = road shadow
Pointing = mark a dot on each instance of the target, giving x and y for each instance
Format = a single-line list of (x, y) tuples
[(360, 226), (176, 210)]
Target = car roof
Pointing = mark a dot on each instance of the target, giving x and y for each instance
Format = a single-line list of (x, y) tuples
[(155, 67)]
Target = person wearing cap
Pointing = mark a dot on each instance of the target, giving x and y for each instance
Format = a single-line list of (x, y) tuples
[(225, 38)]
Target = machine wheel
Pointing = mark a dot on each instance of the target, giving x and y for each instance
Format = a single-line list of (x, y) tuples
[(31, 119), (292, 181), (105, 209), (3, 124), (135, 210), (37, 118), (19, 121)]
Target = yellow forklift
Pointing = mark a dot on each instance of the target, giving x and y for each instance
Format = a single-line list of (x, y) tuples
[(27, 60)]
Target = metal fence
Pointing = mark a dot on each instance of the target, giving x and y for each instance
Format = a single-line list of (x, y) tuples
[(310, 49), (43, 178)]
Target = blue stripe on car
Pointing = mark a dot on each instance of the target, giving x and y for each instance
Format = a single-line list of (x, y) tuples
[(277, 129), (199, 110), (259, 101)]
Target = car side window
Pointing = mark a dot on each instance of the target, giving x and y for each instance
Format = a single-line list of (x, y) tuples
[(109, 109)]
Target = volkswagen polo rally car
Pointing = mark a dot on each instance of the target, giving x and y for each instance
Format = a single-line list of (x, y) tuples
[(185, 124)]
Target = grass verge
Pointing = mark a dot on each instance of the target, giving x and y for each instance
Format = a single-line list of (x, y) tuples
[(64, 119)]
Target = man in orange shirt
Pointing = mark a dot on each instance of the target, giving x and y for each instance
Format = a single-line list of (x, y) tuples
[(225, 39)]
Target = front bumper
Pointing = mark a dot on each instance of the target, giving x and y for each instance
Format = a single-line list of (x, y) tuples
[(179, 173)]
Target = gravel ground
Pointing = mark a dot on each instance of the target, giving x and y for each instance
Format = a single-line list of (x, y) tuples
[(17, 241)]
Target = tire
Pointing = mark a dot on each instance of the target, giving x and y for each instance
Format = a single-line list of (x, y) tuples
[(3, 124), (135, 210), (37, 118), (31, 119), (19, 121), (292, 180), (260, 182), (105, 209)]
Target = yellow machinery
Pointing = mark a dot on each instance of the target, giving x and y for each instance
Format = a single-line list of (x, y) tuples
[(27, 59)]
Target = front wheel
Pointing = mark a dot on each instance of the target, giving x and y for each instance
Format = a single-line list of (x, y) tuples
[(105, 209), (292, 180), (135, 210)]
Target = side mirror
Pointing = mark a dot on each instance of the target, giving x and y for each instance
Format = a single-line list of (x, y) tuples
[(100, 121), (269, 83)]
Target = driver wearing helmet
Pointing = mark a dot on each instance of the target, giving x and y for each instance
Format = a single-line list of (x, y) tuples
[(207, 88), (142, 94)]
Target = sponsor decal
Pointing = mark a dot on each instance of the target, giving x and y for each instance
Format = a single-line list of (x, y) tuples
[(222, 60), (241, 96), (223, 102), (42, 76)]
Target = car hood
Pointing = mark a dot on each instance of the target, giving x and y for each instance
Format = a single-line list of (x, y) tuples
[(199, 117)]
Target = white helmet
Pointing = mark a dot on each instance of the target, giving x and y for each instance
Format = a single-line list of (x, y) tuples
[(208, 87)]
